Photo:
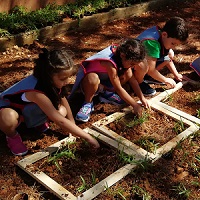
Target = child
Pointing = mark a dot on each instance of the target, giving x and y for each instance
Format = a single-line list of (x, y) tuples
[(106, 72), (38, 98), (196, 65), (159, 44)]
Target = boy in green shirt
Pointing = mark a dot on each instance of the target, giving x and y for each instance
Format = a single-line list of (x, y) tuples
[(159, 44)]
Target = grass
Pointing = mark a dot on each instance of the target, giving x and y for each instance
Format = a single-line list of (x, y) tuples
[(148, 143), (182, 191), (65, 152), (19, 19)]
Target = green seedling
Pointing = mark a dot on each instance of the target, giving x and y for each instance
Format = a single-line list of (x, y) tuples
[(168, 98), (197, 99), (148, 143), (196, 183), (115, 193), (140, 192), (84, 186), (179, 126), (65, 152), (137, 121), (182, 191), (141, 164), (93, 178)]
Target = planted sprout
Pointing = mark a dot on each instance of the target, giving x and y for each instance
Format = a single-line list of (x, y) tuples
[(64, 152), (140, 192), (179, 126), (148, 143), (84, 186), (182, 191)]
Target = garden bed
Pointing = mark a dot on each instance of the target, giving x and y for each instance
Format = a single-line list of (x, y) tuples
[(172, 177)]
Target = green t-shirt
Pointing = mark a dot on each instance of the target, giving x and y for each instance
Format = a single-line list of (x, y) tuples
[(153, 48)]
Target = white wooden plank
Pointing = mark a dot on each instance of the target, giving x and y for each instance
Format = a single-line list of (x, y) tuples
[(107, 182), (43, 153), (120, 146), (168, 92), (52, 185), (178, 112), (173, 142)]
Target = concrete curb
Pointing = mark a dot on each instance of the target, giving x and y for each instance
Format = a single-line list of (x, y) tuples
[(87, 22)]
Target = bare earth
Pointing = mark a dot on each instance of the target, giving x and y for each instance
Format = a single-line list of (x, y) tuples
[(175, 176)]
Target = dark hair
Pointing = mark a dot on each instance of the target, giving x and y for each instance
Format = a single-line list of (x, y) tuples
[(49, 63), (176, 27), (133, 49)]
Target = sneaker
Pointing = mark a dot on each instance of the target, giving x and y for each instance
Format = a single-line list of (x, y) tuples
[(42, 128), (146, 89), (16, 145), (111, 98), (84, 113)]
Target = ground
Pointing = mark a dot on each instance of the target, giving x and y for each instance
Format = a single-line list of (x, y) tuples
[(173, 177)]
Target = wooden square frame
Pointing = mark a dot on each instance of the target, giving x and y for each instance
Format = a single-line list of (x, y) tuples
[(101, 127), (61, 192), (166, 93)]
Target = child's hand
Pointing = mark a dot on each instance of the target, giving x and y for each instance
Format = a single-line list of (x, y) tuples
[(93, 142), (145, 103), (138, 110), (179, 77), (170, 82)]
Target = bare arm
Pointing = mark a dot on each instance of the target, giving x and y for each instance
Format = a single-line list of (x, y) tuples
[(154, 73), (114, 78), (135, 86), (47, 107)]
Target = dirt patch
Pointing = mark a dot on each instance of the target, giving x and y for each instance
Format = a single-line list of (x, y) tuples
[(147, 131), (173, 177), (186, 99)]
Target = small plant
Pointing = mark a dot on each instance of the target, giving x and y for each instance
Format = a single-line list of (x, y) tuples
[(182, 191), (179, 126), (115, 193), (130, 121), (84, 186), (197, 99), (148, 143), (65, 152), (168, 98), (94, 179), (140, 192)]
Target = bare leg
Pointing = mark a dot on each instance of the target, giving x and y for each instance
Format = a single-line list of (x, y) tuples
[(9, 120), (90, 85)]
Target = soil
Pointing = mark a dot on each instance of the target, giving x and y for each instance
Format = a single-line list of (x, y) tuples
[(147, 131), (175, 176)]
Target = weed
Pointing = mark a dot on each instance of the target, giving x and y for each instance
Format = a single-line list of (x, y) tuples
[(65, 152), (148, 144), (179, 126), (131, 120), (181, 191), (115, 193), (168, 98), (196, 183), (94, 180), (83, 187), (140, 192)]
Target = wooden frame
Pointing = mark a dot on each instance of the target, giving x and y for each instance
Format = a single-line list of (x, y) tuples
[(60, 191), (166, 93), (101, 127)]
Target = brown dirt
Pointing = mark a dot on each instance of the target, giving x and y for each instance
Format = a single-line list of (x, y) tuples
[(169, 178)]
